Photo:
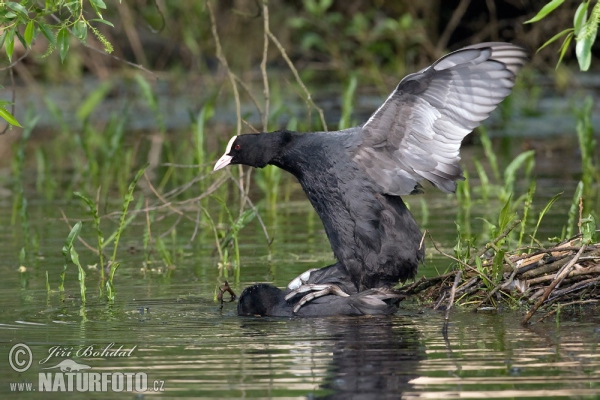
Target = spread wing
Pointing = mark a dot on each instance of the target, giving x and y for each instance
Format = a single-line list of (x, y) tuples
[(416, 134)]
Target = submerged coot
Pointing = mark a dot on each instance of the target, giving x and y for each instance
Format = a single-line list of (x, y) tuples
[(267, 300), (354, 178)]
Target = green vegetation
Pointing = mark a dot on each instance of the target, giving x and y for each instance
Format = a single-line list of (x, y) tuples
[(96, 157), (585, 29)]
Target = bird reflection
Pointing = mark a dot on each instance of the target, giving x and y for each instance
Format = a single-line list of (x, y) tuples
[(372, 357)]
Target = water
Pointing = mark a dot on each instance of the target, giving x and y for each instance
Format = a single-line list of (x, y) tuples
[(165, 325)]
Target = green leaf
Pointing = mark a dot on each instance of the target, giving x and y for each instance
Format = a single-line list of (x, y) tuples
[(541, 216), (70, 239), (92, 101), (80, 30), (547, 9), (588, 229), (21, 39), (555, 38), (583, 50), (63, 43), (9, 46), (580, 17), (9, 117), (102, 21), (47, 32), (29, 31), (564, 47), (18, 8), (98, 3)]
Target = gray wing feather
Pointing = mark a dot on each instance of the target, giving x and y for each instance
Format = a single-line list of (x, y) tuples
[(416, 134)]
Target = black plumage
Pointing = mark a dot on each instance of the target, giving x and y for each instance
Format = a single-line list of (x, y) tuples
[(266, 300), (354, 178)]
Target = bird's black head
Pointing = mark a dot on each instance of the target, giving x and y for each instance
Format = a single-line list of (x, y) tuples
[(261, 299), (255, 150)]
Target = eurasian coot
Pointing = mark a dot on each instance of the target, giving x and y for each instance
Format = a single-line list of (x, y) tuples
[(266, 300), (354, 178)]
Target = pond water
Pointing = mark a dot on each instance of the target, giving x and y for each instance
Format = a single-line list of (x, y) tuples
[(166, 333)]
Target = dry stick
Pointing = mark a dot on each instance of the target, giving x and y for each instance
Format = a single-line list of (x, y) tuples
[(263, 65), (452, 24), (262, 224), (223, 61), (249, 93), (165, 202), (18, 60), (64, 218), (131, 33), (551, 287), (148, 224), (297, 76), (573, 288), (452, 293)]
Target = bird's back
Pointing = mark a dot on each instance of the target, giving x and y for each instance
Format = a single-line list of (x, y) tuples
[(372, 234)]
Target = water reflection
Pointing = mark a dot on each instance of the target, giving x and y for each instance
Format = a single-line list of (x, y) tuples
[(370, 357)]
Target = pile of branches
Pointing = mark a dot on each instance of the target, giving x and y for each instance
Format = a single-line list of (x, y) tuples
[(547, 279)]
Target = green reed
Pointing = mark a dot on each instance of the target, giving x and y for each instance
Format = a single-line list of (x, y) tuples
[(114, 264), (99, 236), (71, 256)]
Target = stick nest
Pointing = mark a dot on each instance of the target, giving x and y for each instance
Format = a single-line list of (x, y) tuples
[(566, 274)]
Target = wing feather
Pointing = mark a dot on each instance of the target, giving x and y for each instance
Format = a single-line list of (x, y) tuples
[(416, 134)]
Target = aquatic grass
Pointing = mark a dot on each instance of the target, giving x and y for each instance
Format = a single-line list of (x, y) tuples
[(114, 265), (19, 209), (587, 147), (484, 181), (71, 256), (93, 100), (99, 236), (348, 104), (215, 231), (541, 216), (527, 204), (525, 159), (45, 183), (489, 151), (235, 225)]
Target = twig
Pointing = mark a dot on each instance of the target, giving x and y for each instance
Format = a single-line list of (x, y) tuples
[(452, 293), (18, 60), (262, 224), (452, 24), (223, 61), (551, 287), (263, 65), (297, 76)]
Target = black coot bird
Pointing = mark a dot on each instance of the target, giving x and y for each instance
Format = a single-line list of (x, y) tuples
[(354, 178)]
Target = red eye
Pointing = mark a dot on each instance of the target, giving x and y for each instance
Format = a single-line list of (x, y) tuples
[(237, 147)]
